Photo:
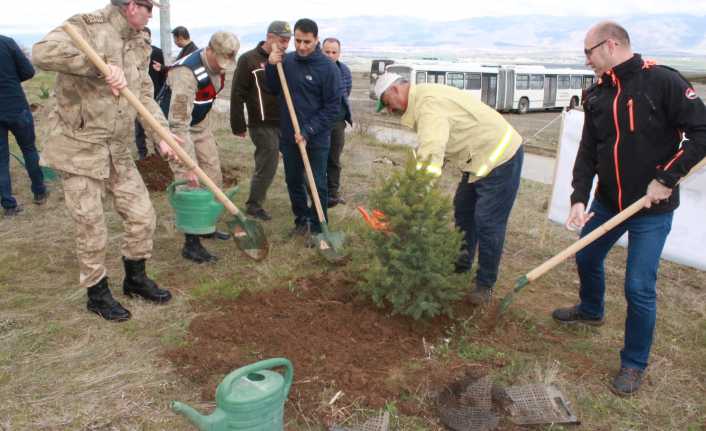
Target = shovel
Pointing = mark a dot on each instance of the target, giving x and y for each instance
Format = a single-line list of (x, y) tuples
[(580, 244), (329, 244), (248, 234)]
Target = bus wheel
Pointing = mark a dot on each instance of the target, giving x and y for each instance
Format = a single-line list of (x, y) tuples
[(574, 103), (523, 106)]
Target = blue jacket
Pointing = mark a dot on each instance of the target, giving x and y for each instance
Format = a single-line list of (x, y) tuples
[(14, 68), (346, 87), (315, 84)]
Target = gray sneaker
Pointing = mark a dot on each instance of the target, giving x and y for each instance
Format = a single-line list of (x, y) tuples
[(481, 295), (627, 382), (11, 212), (41, 198), (574, 315)]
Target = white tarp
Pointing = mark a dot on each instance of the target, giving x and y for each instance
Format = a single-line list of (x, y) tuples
[(686, 243)]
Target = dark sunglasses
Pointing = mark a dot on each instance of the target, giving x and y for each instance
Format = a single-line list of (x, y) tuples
[(589, 51)]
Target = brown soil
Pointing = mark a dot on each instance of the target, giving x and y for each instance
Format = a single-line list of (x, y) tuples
[(335, 341), (155, 173)]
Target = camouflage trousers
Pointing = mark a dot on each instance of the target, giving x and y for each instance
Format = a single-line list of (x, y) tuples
[(84, 200), (205, 153)]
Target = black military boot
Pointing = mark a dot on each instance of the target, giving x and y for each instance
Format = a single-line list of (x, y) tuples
[(101, 302), (193, 250), (138, 283)]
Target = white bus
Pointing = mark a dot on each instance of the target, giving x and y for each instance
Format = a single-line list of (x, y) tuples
[(526, 88), (503, 87)]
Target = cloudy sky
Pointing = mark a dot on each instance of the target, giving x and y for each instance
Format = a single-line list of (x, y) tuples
[(37, 16)]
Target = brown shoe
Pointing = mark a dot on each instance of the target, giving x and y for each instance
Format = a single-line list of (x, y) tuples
[(627, 382)]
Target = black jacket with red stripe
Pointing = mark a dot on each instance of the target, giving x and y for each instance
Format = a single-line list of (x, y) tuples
[(632, 134)]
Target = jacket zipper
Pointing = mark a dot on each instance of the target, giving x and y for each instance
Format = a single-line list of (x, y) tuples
[(631, 114), (617, 142)]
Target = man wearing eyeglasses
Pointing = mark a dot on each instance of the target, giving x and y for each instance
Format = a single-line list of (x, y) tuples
[(644, 129), (455, 125), (90, 145)]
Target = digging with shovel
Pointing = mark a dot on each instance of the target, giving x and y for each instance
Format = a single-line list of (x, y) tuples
[(329, 244), (248, 234), (550, 264)]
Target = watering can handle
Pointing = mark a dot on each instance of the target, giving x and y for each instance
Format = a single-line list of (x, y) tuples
[(224, 388), (171, 187)]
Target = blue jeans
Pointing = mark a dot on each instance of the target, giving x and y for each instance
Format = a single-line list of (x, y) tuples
[(646, 237), (297, 186), (22, 127), (481, 210)]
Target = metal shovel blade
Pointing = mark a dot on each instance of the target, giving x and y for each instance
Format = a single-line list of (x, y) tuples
[(330, 245), (249, 236)]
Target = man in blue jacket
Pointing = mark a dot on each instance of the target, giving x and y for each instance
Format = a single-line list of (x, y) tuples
[(314, 82), (332, 50), (16, 117)]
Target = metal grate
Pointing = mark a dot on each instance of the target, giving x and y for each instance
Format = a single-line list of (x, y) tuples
[(380, 423), (467, 405), (538, 404)]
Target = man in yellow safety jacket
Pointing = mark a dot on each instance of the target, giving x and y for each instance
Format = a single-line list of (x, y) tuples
[(455, 125)]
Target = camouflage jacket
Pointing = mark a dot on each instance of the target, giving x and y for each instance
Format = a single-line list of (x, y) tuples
[(183, 85), (89, 125)]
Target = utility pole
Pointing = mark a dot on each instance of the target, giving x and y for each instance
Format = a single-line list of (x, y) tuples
[(165, 31)]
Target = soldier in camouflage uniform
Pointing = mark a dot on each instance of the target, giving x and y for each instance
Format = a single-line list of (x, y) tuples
[(89, 144), (190, 91)]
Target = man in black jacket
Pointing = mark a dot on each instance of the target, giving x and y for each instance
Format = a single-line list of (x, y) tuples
[(16, 117), (182, 39), (158, 74), (314, 82), (263, 114), (644, 129)]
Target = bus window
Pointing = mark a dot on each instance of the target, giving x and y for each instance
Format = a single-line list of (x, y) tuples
[(455, 79), (536, 82), (587, 81), (564, 82), (436, 77), (472, 81), (576, 82), (522, 82), (421, 78)]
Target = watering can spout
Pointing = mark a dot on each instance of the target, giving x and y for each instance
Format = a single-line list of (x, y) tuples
[(202, 422), (217, 208)]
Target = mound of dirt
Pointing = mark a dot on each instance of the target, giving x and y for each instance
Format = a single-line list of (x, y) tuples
[(155, 172), (336, 343)]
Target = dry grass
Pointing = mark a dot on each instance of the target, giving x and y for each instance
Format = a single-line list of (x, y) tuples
[(63, 368)]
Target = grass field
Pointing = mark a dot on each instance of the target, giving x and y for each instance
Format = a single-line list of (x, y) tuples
[(62, 368)]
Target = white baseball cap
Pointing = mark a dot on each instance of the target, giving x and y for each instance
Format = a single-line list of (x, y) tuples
[(382, 84)]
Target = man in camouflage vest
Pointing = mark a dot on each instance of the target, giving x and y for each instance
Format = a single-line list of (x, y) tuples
[(89, 143), (189, 93)]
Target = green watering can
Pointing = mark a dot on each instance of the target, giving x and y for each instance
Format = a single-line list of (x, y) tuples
[(197, 212), (47, 172), (250, 398)]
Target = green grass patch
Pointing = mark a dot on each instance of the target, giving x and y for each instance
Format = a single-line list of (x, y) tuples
[(217, 289)]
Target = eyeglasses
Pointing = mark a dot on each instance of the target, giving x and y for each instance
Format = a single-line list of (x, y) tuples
[(589, 51)]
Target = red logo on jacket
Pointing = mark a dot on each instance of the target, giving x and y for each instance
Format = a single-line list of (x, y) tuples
[(690, 93)]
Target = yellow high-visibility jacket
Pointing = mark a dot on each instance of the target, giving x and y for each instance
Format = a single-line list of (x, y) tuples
[(454, 124)]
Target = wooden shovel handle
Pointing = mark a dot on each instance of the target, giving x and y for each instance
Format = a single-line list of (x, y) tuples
[(151, 121), (598, 232), (302, 149)]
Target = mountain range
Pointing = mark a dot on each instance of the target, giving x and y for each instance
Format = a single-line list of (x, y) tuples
[(679, 39)]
